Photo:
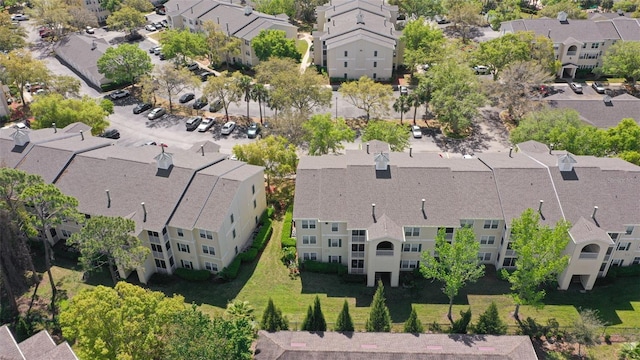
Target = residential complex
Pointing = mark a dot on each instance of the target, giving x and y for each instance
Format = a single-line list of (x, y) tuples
[(234, 19), (376, 211), (604, 113), (579, 44), (357, 38), (193, 208), (38, 347)]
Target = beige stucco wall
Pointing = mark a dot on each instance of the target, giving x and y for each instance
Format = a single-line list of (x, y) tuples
[(360, 58)]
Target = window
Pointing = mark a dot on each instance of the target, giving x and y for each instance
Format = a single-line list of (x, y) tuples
[(509, 262), (448, 233), (358, 235), (375, 64), (255, 204), (206, 234), (357, 264), (491, 224), (345, 76), (375, 53), (334, 227), (186, 264), (411, 231), (346, 53), (345, 64), (167, 245), (617, 262), (357, 247), (156, 248), (253, 189), (210, 266), (171, 261), (153, 236), (487, 240), (234, 233), (183, 248), (466, 222), (595, 45), (375, 76), (629, 230), (208, 250), (484, 256), (335, 259), (636, 261), (180, 232), (308, 240), (308, 224), (614, 236), (309, 256), (411, 247), (255, 218), (161, 264), (246, 42), (624, 246), (231, 218), (603, 266), (409, 264), (65, 233), (335, 242)]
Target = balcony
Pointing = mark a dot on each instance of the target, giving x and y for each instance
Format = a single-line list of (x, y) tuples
[(588, 255), (357, 271), (384, 252), (158, 255), (510, 253), (357, 254), (357, 239)]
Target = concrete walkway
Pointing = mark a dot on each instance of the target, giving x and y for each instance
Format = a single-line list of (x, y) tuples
[(305, 58)]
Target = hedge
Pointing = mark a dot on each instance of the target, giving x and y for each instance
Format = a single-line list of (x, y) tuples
[(231, 271), (288, 242), (324, 268), (263, 235), (623, 271), (287, 224), (249, 255), (193, 275)]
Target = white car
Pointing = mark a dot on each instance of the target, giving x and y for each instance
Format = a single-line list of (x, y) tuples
[(150, 28), (206, 124), (119, 94), (228, 128), (416, 131), (481, 70), (90, 30), (19, 17)]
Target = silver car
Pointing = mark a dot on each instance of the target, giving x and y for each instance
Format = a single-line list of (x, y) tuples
[(156, 113), (228, 128), (206, 124)]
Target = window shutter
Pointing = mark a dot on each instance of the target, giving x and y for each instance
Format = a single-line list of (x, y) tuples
[(329, 243), (419, 247), (339, 242)]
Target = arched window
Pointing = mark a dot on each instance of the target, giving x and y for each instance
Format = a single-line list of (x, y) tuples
[(590, 251)]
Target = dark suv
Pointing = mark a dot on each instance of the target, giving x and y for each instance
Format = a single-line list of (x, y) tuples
[(193, 122)]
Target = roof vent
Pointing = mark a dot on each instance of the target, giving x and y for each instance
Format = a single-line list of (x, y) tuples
[(93, 45), (607, 100), (165, 160), (360, 18), (247, 10), (562, 17), (620, 12), (382, 161), (566, 161), (20, 137)]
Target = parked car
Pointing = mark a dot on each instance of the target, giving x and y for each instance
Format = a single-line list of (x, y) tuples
[(161, 11), (158, 25), (186, 98), (441, 19), (206, 124), (150, 27), (19, 17), (90, 30), (228, 128), (481, 70), (200, 103), (416, 131), (193, 66), (577, 88), (119, 94), (193, 122), (142, 107), (598, 87), (45, 32), (253, 130), (162, 56), (404, 90), (205, 75), (111, 134), (216, 106), (156, 113), (154, 49)]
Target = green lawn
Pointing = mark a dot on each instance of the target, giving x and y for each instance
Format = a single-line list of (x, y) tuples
[(302, 47)]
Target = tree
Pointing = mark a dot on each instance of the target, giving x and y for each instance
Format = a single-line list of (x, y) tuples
[(81, 17), (490, 322), (260, 94), (319, 323), (419, 8), (587, 329), (240, 309), (275, 7), (368, 95), (20, 68), (456, 95), (126, 18), (630, 351), (53, 108), (517, 93), (548, 126), (393, 134), (623, 59), (325, 135), (624, 137), (413, 324), (172, 81), (48, 207), (402, 105), (308, 320), (572, 9), (275, 154), (183, 44), (12, 37), (505, 11), (219, 43), (15, 261), (125, 64), (274, 43), (460, 326), (421, 95), (424, 43), (379, 318), (148, 87), (465, 14), (539, 249), (53, 14), (344, 323), (272, 319), (245, 85), (455, 265), (225, 88), (64, 85), (289, 125), (109, 241), (133, 322)]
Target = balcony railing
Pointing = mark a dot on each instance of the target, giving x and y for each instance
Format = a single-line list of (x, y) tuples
[(384, 252), (158, 255), (510, 253), (357, 254), (570, 53), (163, 271), (587, 255), (357, 271), (154, 239), (357, 239)]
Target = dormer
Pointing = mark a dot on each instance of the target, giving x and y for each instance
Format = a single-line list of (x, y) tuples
[(382, 161), (164, 159), (565, 162), (562, 17), (20, 137)]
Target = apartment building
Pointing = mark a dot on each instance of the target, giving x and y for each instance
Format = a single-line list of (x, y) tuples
[(193, 208), (376, 211), (578, 44), (234, 18), (357, 38)]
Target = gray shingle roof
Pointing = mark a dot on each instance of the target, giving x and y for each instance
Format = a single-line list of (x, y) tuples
[(82, 52), (586, 231), (8, 347), (596, 112), (345, 28), (290, 345), (629, 29), (38, 347), (581, 30)]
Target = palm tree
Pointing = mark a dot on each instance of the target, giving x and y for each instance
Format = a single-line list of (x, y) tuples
[(402, 105), (245, 84), (260, 94), (630, 351), (421, 95), (240, 309)]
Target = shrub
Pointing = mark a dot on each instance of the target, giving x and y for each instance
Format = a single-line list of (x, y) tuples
[(354, 278), (288, 243), (161, 279), (193, 275), (263, 235), (490, 322), (267, 214), (286, 223), (231, 271), (623, 271), (324, 268), (249, 255), (460, 326), (435, 328), (288, 255)]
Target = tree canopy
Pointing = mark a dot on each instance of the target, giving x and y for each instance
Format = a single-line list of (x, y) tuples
[(490, 322), (367, 95), (183, 44), (379, 319), (344, 323), (274, 43), (126, 18), (20, 67), (423, 41), (395, 135), (413, 324), (124, 64), (272, 319), (623, 59), (224, 87), (325, 135), (171, 81), (53, 108), (11, 36)]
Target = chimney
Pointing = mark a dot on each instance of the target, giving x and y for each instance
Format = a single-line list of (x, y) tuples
[(367, 148), (540, 206), (109, 198), (55, 129), (510, 150), (82, 135), (202, 149), (410, 151), (373, 212), (595, 210), (144, 210)]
